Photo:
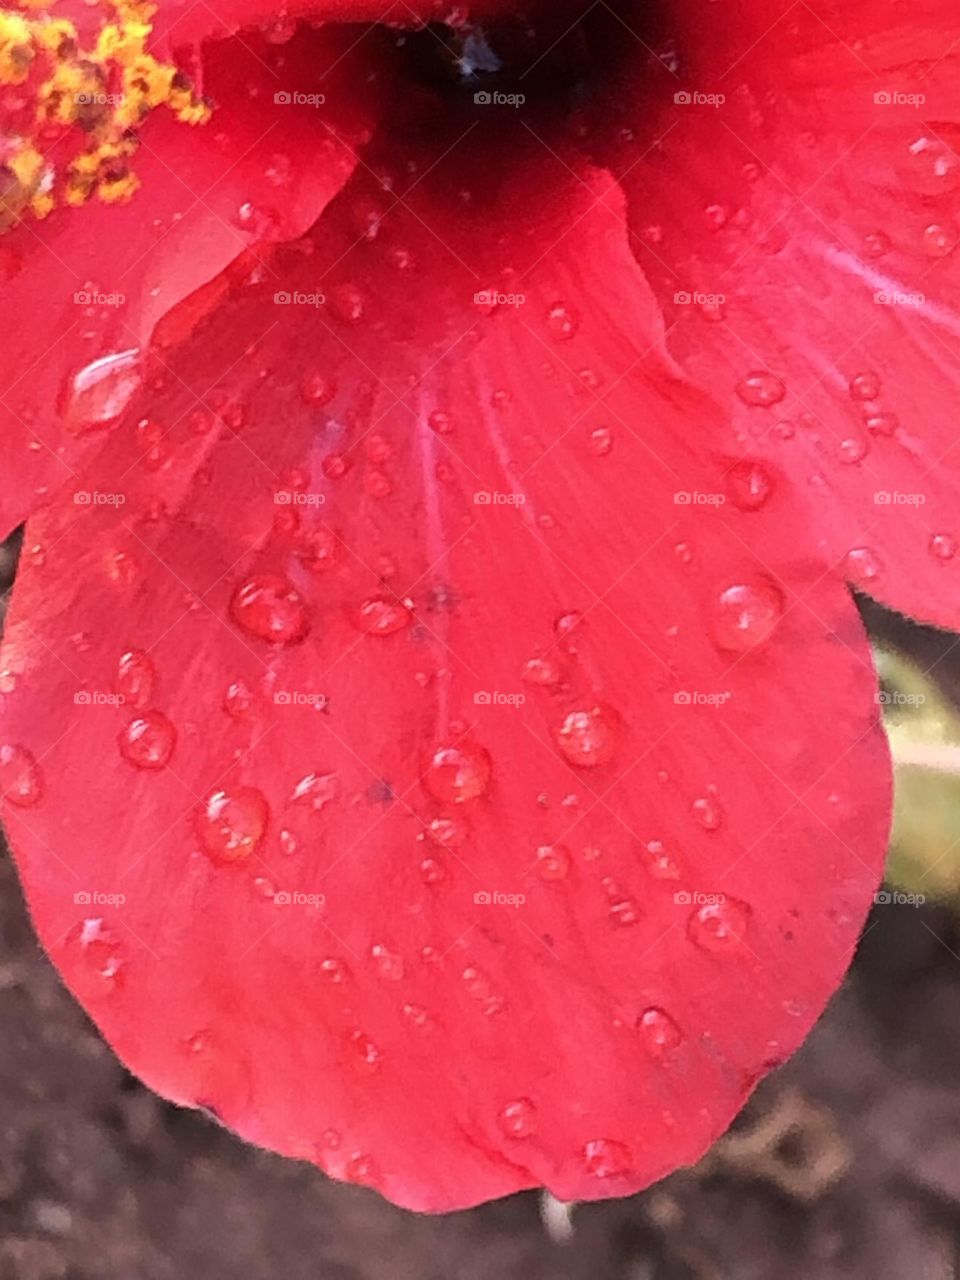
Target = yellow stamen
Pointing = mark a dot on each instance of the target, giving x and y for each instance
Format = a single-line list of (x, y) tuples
[(105, 91)]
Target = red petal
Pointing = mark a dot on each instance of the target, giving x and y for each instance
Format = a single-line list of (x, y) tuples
[(88, 285), (818, 181), (593, 697)]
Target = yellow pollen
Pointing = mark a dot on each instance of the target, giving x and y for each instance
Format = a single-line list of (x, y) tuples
[(97, 95)]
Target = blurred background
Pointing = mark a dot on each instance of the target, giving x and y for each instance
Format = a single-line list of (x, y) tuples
[(845, 1164)]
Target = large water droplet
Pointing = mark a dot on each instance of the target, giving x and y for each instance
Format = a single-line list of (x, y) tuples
[(458, 773), (590, 737), (148, 741), (231, 824), (268, 607), (101, 391), (21, 782), (746, 613), (863, 565)]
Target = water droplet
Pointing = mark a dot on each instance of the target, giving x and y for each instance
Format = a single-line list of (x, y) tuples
[(590, 737), (381, 616), (459, 773), (542, 671), (268, 607), (553, 862), (601, 441), (101, 391), (362, 1171), (720, 926), (21, 782), (562, 323), (518, 1119), (760, 389), (865, 386), (932, 167), (388, 964), (317, 389), (863, 565), (432, 871), (659, 1031), (350, 303), (943, 546), (882, 424), (853, 449), (606, 1158), (288, 842), (749, 485), (707, 812), (440, 422), (746, 614), (480, 988), (238, 700), (368, 1056), (334, 970), (315, 791), (148, 741), (231, 824), (876, 244), (101, 957), (659, 863), (940, 238)]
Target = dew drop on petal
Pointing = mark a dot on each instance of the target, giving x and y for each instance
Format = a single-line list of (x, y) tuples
[(720, 926), (432, 871), (147, 742), (101, 957), (863, 565), (865, 386), (760, 388), (658, 1030), (708, 813), (606, 1158), (101, 391), (367, 1052), (238, 700), (380, 616), (601, 441), (749, 485), (943, 546), (562, 323), (458, 773), (746, 613), (940, 238), (590, 737), (231, 824), (268, 607), (518, 1119), (388, 964), (21, 782), (317, 389), (361, 1170), (334, 971), (316, 790), (553, 862)]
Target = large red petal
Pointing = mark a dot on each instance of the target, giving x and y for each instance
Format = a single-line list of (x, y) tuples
[(794, 184), (89, 284), (453, 614)]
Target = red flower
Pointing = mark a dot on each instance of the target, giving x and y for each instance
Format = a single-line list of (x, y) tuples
[(439, 735)]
